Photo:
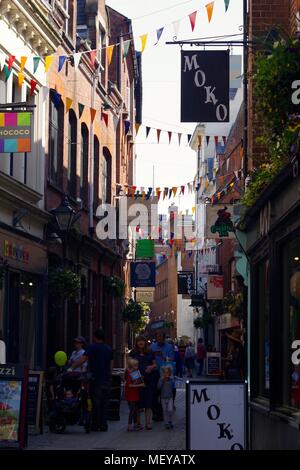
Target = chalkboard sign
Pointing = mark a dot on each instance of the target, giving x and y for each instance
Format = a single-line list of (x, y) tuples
[(213, 364), (34, 398)]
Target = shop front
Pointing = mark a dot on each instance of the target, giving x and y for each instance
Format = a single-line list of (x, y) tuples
[(230, 346), (23, 266), (273, 246)]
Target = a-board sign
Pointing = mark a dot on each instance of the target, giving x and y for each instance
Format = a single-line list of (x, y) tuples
[(213, 364), (216, 415), (13, 405), (34, 400)]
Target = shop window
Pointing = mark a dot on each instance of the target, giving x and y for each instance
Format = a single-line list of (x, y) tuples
[(84, 164), (106, 176), (72, 153), (263, 329), (291, 311), (96, 172), (56, 134)]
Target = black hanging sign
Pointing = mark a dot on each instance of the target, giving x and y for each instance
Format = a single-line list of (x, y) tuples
[(185, 282), (205, 86)]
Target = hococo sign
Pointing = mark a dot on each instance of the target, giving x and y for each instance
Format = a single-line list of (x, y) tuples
[(205, 86)]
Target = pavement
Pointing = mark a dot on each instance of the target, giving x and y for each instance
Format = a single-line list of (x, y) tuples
[(117, 437)]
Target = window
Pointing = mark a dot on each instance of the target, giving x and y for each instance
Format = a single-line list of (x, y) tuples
[(264, 329), (291, 323), (72, 153), (84, 163), (96, 172), (106, 176), (56, 134)]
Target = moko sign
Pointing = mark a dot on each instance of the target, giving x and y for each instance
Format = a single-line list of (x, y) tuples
[(204, 86), (15, 132)]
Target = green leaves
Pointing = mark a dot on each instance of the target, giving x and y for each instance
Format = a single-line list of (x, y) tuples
[(63, 283), (137, 315), (115, 284)]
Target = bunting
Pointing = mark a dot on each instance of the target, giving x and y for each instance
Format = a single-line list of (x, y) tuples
[(127, 127), (207, 140), (93, 56), (209, 8), (109, 52), (21, 78), (179, 138), (36, 62), (80, 109), (143, 41), (174, 190), (170, 136), (48, 62), (224, 139), (2, 60), (158, 34), (23, 63), (176, 27), (10, 62), (33, 85), (192, 18), (77, 59), (126, 45), (166, 191), (216, 140), (7, 72), (226, 4), (137, 127), (69, 103), (93, 114), (61, 61), (158, 131), (104, 116), (182, 189), (147, 131)]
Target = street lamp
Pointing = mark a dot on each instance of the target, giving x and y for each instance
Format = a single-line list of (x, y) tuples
[(65, 215)]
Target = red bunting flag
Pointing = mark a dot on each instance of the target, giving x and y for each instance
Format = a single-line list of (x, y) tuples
[(216, 140), (192, 17), (182, 189), (158, 131), (170, 136), (93, 56), (33, 85), (224, 139), (10, 62), (104, 116)]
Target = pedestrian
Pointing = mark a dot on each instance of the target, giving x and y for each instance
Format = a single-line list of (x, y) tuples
[(162, 352), (190, 359), (133, 385), (178, 360), (100, 361), (77, 353), (201, 354), (166, 385), (147, 365)]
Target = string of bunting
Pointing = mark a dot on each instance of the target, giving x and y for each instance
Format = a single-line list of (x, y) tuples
[(208, 138)]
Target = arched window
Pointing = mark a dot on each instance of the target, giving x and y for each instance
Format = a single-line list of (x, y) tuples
[(96, 172), (84, 163), (72, 153), (106, 176), (56, 137)]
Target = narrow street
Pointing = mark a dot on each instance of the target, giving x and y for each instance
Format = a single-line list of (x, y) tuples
[(117, 437)]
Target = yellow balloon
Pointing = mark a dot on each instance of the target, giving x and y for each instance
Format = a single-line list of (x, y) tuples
[(60, 358)]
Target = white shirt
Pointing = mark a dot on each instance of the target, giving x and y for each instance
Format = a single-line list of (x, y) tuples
[(75, 356)]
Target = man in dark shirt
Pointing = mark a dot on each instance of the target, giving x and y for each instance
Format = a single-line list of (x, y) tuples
[(99, 357)]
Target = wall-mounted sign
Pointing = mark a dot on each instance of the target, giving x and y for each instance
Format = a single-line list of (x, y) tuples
[(145, 296), (15, 132), (16, 252), (185, 281), (144, 249), (219, 221), (215, 287), (213, 364), (142, 274), (226, 321), (216, 416), (205, 86)]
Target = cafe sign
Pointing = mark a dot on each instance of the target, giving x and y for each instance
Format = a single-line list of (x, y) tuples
[(15, 132), (16, 252)]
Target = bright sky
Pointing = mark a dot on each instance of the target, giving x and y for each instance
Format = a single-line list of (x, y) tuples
[(173, 165)]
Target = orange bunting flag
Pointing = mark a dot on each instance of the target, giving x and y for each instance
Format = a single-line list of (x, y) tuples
[(137, 127), (192, 17), (143, 195), (170, 136), (93, 114), (69, 103), (48, 62), (158, 193), (143, 41), (23, 62), (109, 52), (174, 189), (158, 131), (21, 77), (209, 9), (104, 116)]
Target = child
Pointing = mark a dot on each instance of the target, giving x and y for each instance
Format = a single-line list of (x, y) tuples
[(133, 381), (166, 385)]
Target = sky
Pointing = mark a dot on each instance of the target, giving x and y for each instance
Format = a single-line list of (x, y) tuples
[(172, 165)]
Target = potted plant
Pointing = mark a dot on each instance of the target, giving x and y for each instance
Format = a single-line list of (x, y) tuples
[(115, 284), (137, 315), (63, 282)]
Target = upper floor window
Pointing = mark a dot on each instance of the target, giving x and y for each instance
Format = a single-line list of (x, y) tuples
[(72, 153), (96, 172), (84, 163), (56, 135), (106, 176)]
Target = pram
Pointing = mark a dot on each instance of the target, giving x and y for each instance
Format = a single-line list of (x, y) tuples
[(68, 400)]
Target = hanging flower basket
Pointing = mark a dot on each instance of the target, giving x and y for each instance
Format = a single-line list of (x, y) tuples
[(115, 284), (63, 283)]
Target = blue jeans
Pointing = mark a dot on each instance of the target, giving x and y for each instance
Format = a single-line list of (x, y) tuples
[(201, 364), (100, 393)]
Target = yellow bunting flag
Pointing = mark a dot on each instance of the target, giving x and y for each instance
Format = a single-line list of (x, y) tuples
[(143, 195), (209, 9), (143, 41), (69, 103), (21, 79), (137, 127), (193, 210), (23, 62), (48, 62), (110, 51), (174, 189), (93, 114)]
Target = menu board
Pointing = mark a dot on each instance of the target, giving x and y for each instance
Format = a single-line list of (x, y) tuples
[(34, 399), (213, 363)]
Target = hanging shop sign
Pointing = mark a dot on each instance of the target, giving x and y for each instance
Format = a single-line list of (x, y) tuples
[(205, 86), (219, 221), (210, 269), (16, 252), (15, 132), (226, 321), (215, 287), (185, 282), (145, 296), (144, 249), (216, 415), (213, 364), (142, 274)]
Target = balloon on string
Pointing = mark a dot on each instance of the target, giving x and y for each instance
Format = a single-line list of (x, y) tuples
[(60, 358)]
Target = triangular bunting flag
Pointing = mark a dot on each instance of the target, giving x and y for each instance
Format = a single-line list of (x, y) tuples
[(10, 61), (216, 140), (143, 41), (109, 52), (126, 45), (176, 27), (23, 62), (127, 127), (189, 137), (193, 210), (2, 60), (143, 195), (80, 109), (224, 139), (33, 85), (158, 131), (170, 193), (159, 33), (61, 61), (179, 138), (93, 114), (157, 190), (192, 18), (137, 127), (93, 56), (190, 187), (7, 72), (68, 104), (77, 59), (174, 189), (207, 140), (170, 136), (182, 189), (147, 131), (104, 116), (48, 62), (56, 99), (226, 4), (209, 9), (133, 189), (21, 77), (36, 62), (166, 191)]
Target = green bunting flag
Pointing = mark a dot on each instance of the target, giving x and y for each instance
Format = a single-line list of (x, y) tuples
[(80, 109), (36, 61), (226, 4), (7, 72), (126, 45)]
